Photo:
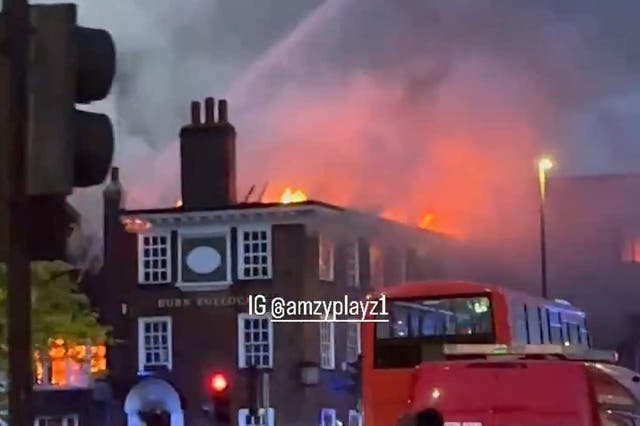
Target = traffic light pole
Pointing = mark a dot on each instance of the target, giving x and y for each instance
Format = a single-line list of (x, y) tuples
[(19, 280)]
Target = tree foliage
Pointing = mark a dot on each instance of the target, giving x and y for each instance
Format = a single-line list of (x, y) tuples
[(59, 309)]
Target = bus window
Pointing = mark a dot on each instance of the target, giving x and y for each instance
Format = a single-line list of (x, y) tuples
[(533, 319), (519, 324), (433, 318), (572, 333), (415, 323), (555, 327), (544, 325)]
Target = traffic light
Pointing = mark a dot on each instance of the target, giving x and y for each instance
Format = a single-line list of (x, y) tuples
[(69, 64), (219, 391)]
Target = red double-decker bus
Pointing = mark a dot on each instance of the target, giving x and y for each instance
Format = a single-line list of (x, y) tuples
[(424, 316)]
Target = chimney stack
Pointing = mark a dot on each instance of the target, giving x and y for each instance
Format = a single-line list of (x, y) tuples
[(222, 111), (208, 158), (195, 113), (209, 113)]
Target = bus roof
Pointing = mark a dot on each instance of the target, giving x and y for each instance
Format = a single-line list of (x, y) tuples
[(446, 288)]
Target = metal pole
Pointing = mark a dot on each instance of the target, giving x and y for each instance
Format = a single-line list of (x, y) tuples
[(543, 250), (19, 282)]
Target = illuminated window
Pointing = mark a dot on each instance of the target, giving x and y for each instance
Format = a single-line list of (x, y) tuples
[(263, 417), (254, 253), (72, 366), (353, 342), (355, 419), (154, 343), (326, 250), (376, 265), (154, 258), (631, 250), (327, 345), (255, 341), (327, 417), (68, 420), (353, 265)]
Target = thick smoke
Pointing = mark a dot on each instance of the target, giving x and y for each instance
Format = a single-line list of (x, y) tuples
[(169, 52), (409, 107)]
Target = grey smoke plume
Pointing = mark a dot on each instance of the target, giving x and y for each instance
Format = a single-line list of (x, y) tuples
[(414, 106), (169, 52)]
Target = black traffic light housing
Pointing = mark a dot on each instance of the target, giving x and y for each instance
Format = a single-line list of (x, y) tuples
[(71, 64), (220, 394)]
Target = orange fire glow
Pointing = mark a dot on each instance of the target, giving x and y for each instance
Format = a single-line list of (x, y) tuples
[(178, 203), (66, 360), (290, 196), (433, 223), (426, 221)]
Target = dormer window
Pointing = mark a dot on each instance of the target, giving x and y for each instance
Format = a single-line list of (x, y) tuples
[(154, 258), (254, 253), (326, 251), (204, 258)]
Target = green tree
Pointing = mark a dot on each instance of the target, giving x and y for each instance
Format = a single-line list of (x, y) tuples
[(59, 311)]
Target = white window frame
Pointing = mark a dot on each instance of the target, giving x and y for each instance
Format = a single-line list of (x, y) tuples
[(328, 358), (244, 412), (141, 269), (357, 415), (65, 419), (242, 359), (141, 347), (205, 232), (331, 412), (355, 250), (327, 274), (353, 332), (240, 230)]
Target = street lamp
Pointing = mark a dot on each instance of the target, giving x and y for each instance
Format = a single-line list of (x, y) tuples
[(544, 165)]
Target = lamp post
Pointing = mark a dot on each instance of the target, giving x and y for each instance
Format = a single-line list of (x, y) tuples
[(544, 165)]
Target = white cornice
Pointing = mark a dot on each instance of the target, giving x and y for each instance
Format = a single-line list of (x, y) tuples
[(279, 214)]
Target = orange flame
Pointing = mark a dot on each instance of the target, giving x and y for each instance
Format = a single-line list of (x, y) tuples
[(289, 196), (179, 203), (426, 222)]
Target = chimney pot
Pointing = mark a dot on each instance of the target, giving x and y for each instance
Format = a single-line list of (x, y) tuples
[(195, 113), (115, 174), (209, 111), (223, 116)]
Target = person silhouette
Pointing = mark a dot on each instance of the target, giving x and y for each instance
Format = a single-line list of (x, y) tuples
[(427, 417)]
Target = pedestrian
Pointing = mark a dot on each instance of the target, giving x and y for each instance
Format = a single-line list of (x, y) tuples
[(427, 417)]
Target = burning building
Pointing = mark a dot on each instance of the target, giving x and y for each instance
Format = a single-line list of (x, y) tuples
[(175, 284)]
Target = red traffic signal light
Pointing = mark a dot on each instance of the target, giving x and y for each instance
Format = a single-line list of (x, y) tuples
[(218, 383)]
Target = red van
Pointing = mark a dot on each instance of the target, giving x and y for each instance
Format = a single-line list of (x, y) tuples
[(523, 390)]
